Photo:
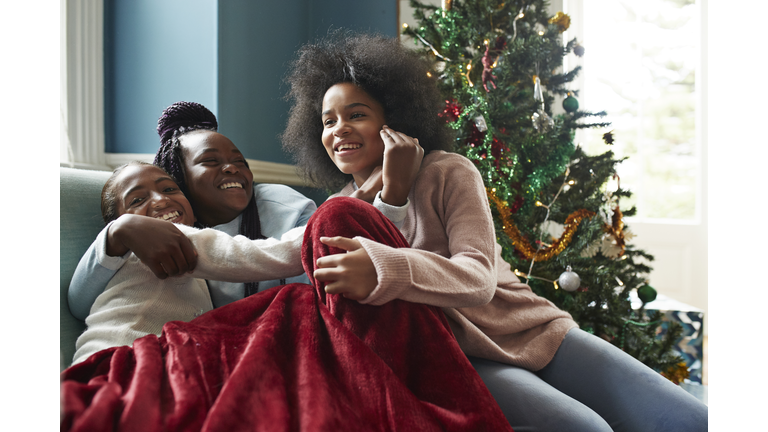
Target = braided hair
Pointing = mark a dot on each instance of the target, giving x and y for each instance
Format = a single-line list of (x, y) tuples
[(178, 120)]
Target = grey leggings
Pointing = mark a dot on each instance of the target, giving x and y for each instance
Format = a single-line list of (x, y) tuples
[(590, 385)]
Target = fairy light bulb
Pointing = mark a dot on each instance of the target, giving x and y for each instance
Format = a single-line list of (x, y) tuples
[(469, 68), (429, 74), (521, 15), (541, 32), (405, 25)]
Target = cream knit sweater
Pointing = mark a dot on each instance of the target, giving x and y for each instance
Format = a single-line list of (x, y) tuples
[(136, 303), (455, 263)]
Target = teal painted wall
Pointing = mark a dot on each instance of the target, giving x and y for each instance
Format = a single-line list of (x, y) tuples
[(156, 52), (257, 39), (229, 55)]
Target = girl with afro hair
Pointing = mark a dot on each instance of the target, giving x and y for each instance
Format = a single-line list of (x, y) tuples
[(364, 119)]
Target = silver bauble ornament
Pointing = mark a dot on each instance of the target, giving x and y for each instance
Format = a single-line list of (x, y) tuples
[(542, 122), (569, 280)]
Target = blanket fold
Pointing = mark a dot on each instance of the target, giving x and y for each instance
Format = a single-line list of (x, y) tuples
[(292, 358)]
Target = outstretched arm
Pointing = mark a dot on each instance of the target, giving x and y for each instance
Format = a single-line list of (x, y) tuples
[(240, 259)]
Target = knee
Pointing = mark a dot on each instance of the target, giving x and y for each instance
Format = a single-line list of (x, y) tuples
[(341, 208)]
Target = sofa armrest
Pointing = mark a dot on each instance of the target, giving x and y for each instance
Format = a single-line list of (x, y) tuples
[(80, 221)]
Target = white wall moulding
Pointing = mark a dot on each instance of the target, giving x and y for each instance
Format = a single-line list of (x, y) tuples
[(273, 172), (263, 172)]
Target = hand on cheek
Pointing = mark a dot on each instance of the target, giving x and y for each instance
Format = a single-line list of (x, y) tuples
[(402, 161), (351, 274)]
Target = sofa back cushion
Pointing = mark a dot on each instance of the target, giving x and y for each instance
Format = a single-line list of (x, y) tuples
[(80, 221)]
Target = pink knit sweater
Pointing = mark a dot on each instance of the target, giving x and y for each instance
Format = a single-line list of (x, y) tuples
[(455, 263)]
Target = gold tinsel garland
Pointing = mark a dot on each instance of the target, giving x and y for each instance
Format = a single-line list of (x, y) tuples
[(561, 20), (616, 229), (571, 223)]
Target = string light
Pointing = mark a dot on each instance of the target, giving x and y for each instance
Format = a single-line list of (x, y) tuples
[(514, 25), (469, 68), (434, 51), (405, 25), (518, 273)]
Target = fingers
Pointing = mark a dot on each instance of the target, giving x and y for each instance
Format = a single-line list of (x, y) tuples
[(345, 243), (334, 286), (158, 270), (397, 137), (334, 260), (164, 249)]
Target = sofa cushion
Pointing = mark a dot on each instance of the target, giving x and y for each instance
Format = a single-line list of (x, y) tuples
[(80, 221)]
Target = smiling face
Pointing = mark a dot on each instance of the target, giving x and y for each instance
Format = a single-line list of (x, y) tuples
[(352, 120), (219, 182), (147, 190)]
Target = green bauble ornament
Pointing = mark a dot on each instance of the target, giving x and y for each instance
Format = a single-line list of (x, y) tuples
[(646, 293), (570, 104)]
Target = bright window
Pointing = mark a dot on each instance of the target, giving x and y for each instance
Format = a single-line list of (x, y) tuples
[(640, 67)]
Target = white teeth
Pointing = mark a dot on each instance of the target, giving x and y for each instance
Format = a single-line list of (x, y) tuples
[(231, 185), (171, 215), (350, 146)]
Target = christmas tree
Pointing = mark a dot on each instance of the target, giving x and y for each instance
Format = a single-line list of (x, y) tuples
[(499, 65)]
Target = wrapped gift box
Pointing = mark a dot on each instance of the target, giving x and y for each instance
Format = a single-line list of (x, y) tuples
[(691, 345)]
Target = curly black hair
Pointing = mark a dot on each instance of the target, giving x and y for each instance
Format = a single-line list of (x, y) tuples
[(401, 80)]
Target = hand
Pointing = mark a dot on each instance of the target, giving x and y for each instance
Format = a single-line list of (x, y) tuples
[(158, 244), (402, 160), (368, 190), (350, 274)]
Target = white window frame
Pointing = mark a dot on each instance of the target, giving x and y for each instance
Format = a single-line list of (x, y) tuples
[(82, 84)]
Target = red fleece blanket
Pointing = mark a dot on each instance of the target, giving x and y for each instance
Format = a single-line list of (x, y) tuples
[(290, 359)]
